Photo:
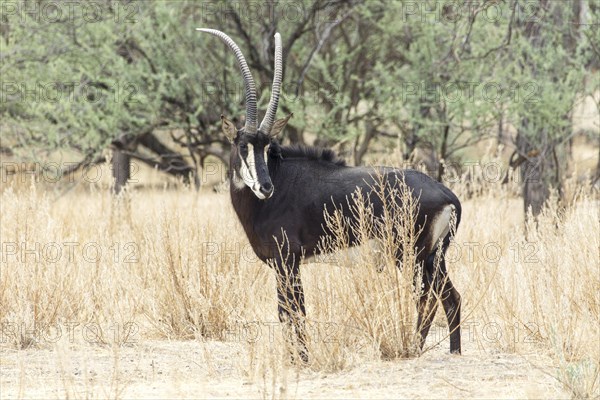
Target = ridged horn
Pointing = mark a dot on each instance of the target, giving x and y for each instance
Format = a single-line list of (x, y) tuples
[(267, 122), (251, 119)]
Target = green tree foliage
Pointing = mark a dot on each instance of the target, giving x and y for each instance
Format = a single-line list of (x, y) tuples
[(440, 75), (66, 80)]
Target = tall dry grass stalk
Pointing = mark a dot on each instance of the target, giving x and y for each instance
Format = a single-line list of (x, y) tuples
[(176, 265), (370, 295)]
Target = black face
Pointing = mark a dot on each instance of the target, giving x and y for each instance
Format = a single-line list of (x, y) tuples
[(250, 163)]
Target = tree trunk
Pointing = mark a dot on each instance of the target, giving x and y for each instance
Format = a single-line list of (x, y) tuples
[(171, 161), (544, 160), (536, 173), (535, 190), (596, 178), (294, 135), (361, 149), (121, 170), (443, 152)]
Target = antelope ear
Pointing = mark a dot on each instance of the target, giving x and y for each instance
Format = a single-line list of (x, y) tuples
[(228, 128), (279, 125)]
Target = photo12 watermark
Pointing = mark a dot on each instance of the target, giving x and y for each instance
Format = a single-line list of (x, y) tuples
[(451, 11), (68, 91), (458, 252), (327, 332), (255, 12), (71, 11), (471, 92), (68, 252), (73, 331), (214, 91)]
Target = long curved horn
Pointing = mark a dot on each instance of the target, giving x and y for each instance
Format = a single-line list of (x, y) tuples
[(251, 120), (267, 122)]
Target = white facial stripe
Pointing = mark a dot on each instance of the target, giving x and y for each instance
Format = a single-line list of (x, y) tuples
[(266, 153), (251, 163), (248, 172), (247, 176)]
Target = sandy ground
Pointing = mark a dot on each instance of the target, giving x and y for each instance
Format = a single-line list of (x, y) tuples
[(195, 369)]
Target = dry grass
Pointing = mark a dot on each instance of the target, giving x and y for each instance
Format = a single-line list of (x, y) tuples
[(83, 271)]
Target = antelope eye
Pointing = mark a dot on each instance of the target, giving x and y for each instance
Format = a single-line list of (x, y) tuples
[(244, 146)]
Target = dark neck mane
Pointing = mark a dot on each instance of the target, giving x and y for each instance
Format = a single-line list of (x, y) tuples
[(308, 153)]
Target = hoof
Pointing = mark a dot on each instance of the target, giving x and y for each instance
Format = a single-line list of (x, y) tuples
[(299, 358)]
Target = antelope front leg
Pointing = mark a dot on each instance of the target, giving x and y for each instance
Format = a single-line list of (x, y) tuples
[(290, 305)]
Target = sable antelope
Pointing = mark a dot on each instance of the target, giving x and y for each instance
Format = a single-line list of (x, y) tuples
[(279, 194)]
